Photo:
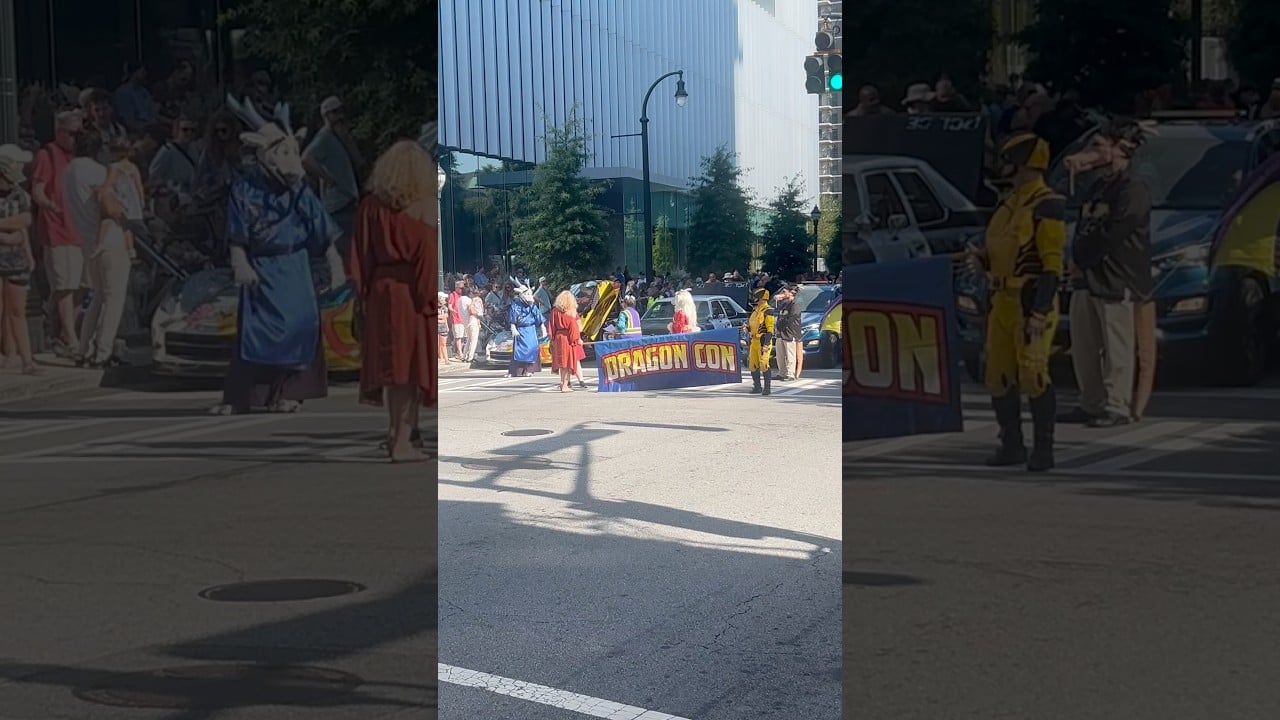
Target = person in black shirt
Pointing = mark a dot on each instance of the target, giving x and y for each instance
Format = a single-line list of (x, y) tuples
[(788, 332), (1111, 272)]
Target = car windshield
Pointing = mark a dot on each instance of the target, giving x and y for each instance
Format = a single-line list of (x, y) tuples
[(815, 298), (1183, 173)]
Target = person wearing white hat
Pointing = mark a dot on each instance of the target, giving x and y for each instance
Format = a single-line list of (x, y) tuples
[(16, 259), (917, 99), (332, 160)]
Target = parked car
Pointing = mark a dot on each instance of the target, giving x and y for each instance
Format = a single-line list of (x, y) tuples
[(820, 343), (900, 207), (1219, 324), (193, 331), (714, 312)]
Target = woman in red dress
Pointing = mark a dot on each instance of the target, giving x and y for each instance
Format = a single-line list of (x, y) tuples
[(393, 270), (566, 338), (685, 319)]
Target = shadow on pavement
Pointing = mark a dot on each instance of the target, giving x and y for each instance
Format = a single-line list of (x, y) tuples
[(345, 631), (579, 603), (867, 579)]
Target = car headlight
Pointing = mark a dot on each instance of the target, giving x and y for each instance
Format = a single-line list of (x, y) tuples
[(1190, 306), (1190, 256)]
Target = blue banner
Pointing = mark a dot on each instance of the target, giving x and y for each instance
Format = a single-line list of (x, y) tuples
[(902, 374), (656, 362)]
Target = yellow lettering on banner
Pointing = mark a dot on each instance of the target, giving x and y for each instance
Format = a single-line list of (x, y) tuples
[(896, 350), (715, 357), (917, 346), (876, 332), (624, 365), (680, 356), (611, 368)]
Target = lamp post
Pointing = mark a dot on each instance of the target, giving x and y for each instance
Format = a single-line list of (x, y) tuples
[(682, 97), (815, 215)]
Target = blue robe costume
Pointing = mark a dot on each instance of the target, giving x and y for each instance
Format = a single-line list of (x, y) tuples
[(524, 349), (278, 353)]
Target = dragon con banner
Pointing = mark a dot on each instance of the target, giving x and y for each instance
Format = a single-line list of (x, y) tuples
[(902, 371), (657, 362)]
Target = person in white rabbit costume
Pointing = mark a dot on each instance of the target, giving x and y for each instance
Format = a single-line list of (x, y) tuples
[(276, 227)]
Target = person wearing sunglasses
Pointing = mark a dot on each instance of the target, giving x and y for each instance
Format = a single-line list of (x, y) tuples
[(173, 169)]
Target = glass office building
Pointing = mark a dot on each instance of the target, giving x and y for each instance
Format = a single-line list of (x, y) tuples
[(509, 67)]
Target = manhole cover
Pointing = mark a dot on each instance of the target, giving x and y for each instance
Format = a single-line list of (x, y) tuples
[(532, 432), (280, 590), (508, 463), (218, 687)]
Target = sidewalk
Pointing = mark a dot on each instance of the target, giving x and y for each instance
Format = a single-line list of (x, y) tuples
[(57, 375)]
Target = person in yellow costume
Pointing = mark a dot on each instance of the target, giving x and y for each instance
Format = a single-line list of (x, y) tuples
[(1023, 260), (760, 328)]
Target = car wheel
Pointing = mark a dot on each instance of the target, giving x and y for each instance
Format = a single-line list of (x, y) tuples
[(1245, 349), (830, 354)]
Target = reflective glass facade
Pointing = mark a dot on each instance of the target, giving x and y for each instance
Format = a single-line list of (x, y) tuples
[(508, 67)]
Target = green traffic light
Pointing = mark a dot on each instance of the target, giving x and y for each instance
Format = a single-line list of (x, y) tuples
[(837, 82)]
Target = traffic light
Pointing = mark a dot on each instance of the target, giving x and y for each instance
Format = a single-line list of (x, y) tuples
[(835, 73), (823, 74), (815, 82), (824, 41)]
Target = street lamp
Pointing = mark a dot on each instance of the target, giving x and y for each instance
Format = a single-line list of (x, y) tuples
[(815, 214), (682, 98)]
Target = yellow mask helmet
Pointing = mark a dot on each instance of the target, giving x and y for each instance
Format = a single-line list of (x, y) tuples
[(1024, 150), (760, 295)]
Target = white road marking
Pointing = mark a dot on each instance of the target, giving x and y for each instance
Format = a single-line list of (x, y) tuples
[(879, 448), (544, 695), (45, 427), (210, 396), (1181, 444), (938, 468), (1141, 434)]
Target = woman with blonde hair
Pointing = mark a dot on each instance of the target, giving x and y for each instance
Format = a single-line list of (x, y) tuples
[(392, 268), (686, 315), (566, 338)]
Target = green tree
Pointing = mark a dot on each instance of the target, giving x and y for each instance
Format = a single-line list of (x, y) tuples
[(1251, 41), (830, 235), (894, 43), (720, 226), (788, 247), (664, 246), (1110, 51), (561, 232), (379, 56)]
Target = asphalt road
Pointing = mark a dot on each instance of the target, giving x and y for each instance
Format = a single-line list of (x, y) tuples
[(1138, 581), (119, 507), (639, 555)]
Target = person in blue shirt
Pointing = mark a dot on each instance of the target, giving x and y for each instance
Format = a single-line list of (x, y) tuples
[(133, 102)]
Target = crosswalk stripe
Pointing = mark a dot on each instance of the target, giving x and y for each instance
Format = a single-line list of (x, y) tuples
[(1186, 443), (880, 448), (917, 469), (1141, 433)]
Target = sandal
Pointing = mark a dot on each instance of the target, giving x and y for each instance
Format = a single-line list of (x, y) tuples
[(32, 370)]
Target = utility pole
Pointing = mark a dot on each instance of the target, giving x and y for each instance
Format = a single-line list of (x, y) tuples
[(831, 114), (8, 74)]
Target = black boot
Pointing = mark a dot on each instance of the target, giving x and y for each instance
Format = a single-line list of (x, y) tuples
[(1008, 409), (755, 379), (768, 380), (1043, 409)]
